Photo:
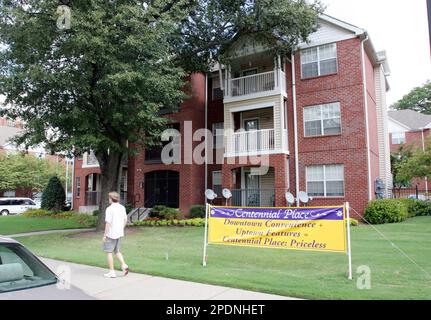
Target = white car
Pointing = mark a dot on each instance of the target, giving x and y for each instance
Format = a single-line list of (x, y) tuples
[(14, 206)]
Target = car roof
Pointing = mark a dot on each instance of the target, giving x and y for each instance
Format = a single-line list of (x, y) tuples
[(6, 240), (14, 198)]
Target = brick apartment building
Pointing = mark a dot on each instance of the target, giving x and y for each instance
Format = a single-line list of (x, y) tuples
[(318, 117), (410, 129)]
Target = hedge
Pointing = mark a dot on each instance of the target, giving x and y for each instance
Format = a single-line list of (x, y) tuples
[(85, 220), (197, 211), (197, 222), (395, 210)]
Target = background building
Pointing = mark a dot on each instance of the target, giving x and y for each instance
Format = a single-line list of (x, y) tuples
[(319, 116)]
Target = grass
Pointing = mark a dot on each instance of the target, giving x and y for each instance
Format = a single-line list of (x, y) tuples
[(19, 224), (177, 253)]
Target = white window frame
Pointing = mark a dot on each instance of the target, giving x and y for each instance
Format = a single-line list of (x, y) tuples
[(218, 136), (221, 180), (325, 180), (319, 61), (85, 162), (322, 120), (398, 138)]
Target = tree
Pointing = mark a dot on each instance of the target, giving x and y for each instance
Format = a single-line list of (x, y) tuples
[(398, 159), (417, 166), (419, 99), (26, 172), (100, 84), (53, 197)]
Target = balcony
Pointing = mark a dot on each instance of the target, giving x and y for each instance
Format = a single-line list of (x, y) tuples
[(253, 198), (253, 141), (256, 86)]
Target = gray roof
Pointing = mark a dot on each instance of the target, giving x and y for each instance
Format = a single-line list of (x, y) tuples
[(412, 119), (7, 133)]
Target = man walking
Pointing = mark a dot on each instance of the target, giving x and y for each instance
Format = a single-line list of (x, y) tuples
[(116, 220)]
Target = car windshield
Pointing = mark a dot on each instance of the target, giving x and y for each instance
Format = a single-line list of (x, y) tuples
[(19, 269)]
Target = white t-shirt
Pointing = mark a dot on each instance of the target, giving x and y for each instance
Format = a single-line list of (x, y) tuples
[(115, 216)]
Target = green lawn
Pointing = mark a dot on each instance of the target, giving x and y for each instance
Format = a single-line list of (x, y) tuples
[(20, 224), (289, 273)]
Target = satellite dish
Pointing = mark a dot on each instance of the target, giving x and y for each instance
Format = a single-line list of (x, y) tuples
[(227, 194), (303, 197), (290, 198), (210, 195)]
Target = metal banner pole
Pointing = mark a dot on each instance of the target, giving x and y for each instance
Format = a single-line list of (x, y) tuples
[(349, 247), (204, 259)]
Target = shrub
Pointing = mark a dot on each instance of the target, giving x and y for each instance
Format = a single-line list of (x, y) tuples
[(163, 212), (419, 208), (386, 211), (96, 213), (198, 222), (354, 222), (37, 213), (129, 207), (197, 211), (53, 197)]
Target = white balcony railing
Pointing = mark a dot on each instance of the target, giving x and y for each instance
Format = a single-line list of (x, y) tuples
[(257, 83), (253, 141)]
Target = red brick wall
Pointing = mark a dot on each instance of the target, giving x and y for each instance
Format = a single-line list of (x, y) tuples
[(81, 173), (192, 176), (349, 148)]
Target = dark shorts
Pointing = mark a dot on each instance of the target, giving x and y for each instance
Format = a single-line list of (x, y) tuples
[(111, 245)]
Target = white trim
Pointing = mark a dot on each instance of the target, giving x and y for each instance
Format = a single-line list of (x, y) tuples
[(400, 124), (319, 61), (252, 107), (356, 30), (322, 43), (322, 120), (258, 153), (276, 92), (367, 127)]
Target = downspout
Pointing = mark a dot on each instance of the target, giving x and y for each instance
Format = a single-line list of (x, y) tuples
[(423, 149), (206, 128), (73, 183), (364, 79), (295, 127)]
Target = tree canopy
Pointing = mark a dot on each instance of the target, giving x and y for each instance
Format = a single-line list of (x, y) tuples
[(27, 172), (419, 99), (99, 85), (418, 165)]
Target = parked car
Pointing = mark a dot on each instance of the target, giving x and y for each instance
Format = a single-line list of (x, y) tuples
[(24, 277), (419, 197), (13, 206)]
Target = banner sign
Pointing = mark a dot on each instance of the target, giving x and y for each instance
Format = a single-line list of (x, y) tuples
[(310, 229)]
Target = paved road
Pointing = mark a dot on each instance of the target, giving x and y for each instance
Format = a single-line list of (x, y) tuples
[(144, 287)]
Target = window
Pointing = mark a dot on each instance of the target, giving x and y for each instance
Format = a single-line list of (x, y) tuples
[(78, 187), (90, 160), (154, 154), (319, 61), (217, 185), (322, 120), (217, 92), (398, 138), (325, 181), (218, 135)]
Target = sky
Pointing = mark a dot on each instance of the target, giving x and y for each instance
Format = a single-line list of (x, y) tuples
[(400, 28)]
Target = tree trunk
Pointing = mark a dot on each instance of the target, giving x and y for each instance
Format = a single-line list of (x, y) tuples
[(110, 167)]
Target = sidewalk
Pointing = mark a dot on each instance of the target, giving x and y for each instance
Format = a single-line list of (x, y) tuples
[(144, 287), (38, 233)]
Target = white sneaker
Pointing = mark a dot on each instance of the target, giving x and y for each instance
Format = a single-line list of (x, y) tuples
[(110, 274), (125, 269)]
